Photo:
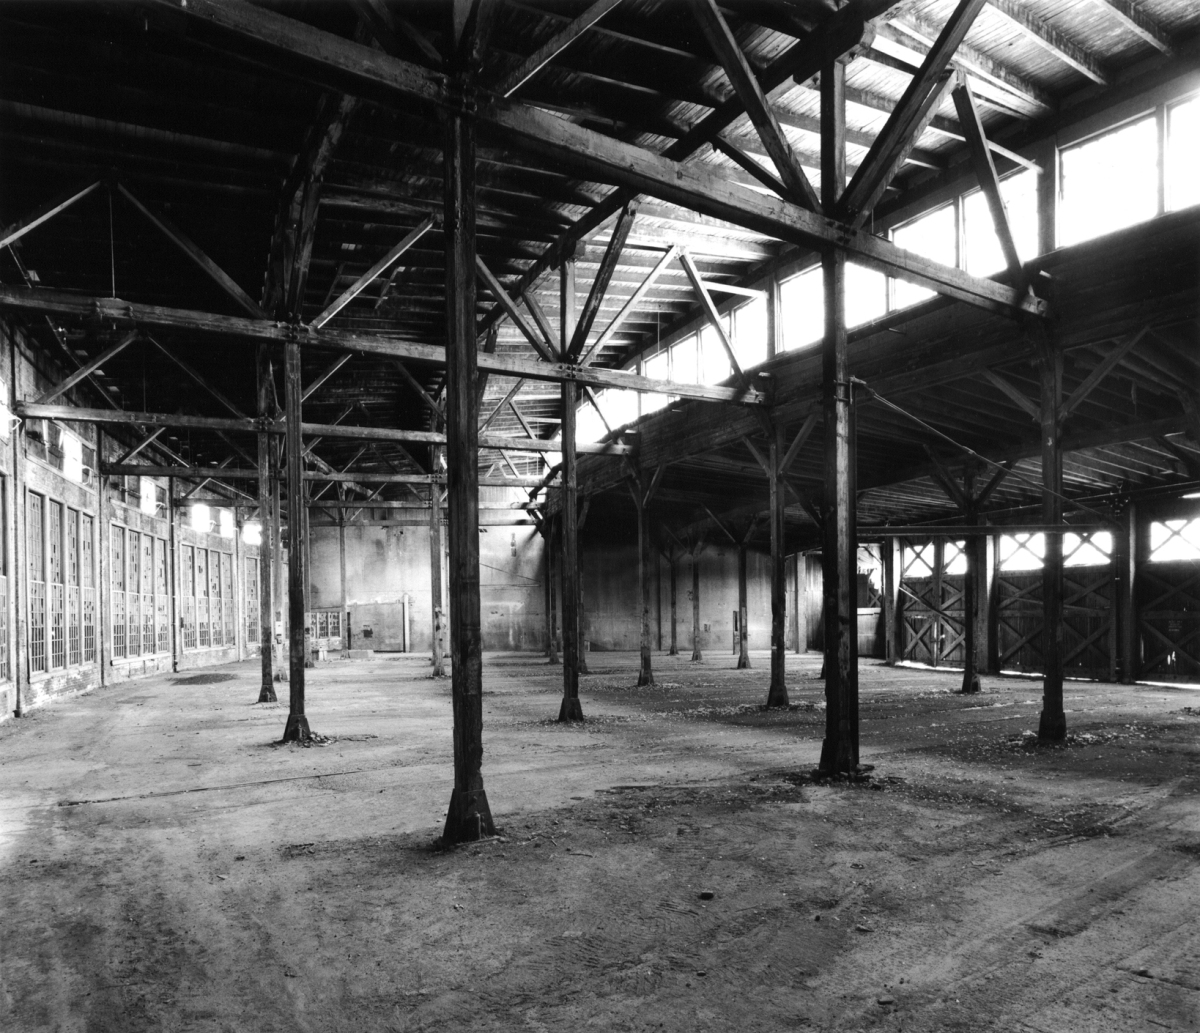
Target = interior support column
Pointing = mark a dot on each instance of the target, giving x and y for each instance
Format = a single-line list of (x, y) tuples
[(1052, 726), (571, 710), (743, 662), (839, 751), (277, 595), (697, 655), (296, 729), (437, 594), (971, 579), (674, 569), (891, 599), (777, 694), (551, 622), (1125, 558), (469, 817), (344, 620), (642, 505), (266, 637)]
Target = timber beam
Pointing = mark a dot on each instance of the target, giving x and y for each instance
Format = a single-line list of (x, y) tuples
[(129, 314)]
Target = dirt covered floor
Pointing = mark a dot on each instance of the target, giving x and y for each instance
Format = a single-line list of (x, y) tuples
[(666, 865)]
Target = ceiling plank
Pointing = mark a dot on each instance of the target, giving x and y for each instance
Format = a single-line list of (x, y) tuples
[(1051, 40)]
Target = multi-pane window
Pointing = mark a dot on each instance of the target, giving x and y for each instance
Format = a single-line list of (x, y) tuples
[(1183, 154), (35, 527), (933, 235), (5, 671), (1175, 540), (207, 601), (139, 593), (253, 601), (982, 255), (1108, 182), (62, 613)]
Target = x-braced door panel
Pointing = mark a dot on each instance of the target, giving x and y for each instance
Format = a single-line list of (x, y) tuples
[(932, 603), (1169, 620)]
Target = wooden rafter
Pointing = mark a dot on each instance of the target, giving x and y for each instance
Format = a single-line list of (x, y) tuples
[(716, 30), (1133, 19), (1051, 40), (985, 172), (909, 116), (599, 288), (554, 46), (44, 213)]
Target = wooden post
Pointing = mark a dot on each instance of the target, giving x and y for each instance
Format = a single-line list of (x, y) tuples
[(468, 817), (437, 595), (1125, 556), (971, 580), (570, 709), (104, 570), (743, 630), (1052, 726), (305, 492), (296, 729), (344, 621), (777, 694), (673, 570), (839, 751), (580, 615), (697, 655), (641, 490), (19, 576), (280, 668), (266, 691), (551, 602), (774, 318), (891, 600), (799, 643)]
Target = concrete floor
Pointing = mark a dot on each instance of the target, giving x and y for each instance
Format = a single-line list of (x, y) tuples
[(168, 867)]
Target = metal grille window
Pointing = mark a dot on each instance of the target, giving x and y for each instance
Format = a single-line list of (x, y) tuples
[(187, 569), (148, 599), (87, 580), (227, 595), (216, 617), (162, 611), (253, 601), (133, 594), (202, 608), (5, 670), (74, 623), (118, 592), (36, 507), (56, 586)]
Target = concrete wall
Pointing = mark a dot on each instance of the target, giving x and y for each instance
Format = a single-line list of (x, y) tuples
[(387, 564)]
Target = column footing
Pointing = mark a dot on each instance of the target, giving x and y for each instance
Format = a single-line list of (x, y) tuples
[(1052, 727), (777, 696), (571, 709), (296, 729), (468, 819)]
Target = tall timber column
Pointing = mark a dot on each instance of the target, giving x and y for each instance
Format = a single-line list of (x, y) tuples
[(266, 552), (777, 694), (570, 710), (971, 581), (743, 662), (673, 560), (277, 596), (697, 655), (1053, 724), (296, 729), (468, 816), (437, 597), (839, 751), (642, 504)]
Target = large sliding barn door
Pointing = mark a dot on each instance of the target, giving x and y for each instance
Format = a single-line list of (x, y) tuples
[(1089, 632), (931, 603), (1168, 598)]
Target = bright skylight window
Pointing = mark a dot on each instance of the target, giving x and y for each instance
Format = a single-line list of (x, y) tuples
[(201, 518), (588, 425), (1093, 550), (1108, 182), (802, 308), (1183, 154), (866, 296), (148, 496), (981, 246), (659, 367), (1022, 551), (227, 525), (750, 333), (954, 558), (917, 560), (713, 359), (932, 236), (252, 533), (1174, 540), (684, 365)]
